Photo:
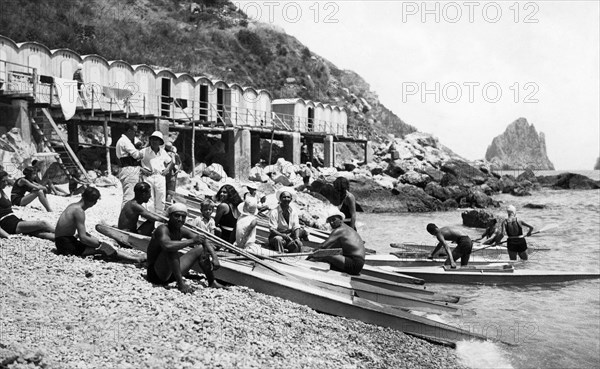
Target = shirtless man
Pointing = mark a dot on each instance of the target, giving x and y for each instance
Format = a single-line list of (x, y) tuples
[(166, 264), (130, 214), (352, 259), (463, 248), (72, 220)]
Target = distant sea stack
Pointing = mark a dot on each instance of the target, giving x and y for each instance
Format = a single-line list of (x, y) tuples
[(519, 147), (597, 166)]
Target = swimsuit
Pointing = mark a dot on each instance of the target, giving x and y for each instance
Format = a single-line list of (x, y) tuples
[(513, 231), (8, 221), (463, 249), (345, 209), (352, 265), (227, 225), (18, 192), (69, 245)]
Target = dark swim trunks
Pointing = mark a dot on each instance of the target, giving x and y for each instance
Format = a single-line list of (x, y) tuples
[(517, 244), (69, 245), (10, 223), (154, 279), (462, 251), (352, 265)]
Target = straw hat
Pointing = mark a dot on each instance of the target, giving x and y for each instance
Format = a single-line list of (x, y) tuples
[(248, 207), (289, 190), (335, 212)]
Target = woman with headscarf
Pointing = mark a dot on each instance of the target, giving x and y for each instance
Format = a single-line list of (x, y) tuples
[(226, 215), (347, 204)]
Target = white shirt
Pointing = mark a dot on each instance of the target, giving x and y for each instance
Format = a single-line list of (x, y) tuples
[(277, 221), (155, 162), (125, 148)]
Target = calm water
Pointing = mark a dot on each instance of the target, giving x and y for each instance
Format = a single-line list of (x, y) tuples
[(554, 326)]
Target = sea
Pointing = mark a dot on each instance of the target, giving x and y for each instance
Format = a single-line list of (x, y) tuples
[(551, 326)]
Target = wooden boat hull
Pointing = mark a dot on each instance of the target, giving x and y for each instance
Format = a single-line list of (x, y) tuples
[(485, 252), (392, 260), (302, 291), (515, 277)]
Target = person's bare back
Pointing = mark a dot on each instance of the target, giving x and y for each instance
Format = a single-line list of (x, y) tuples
[(130, 214), (67, 223)]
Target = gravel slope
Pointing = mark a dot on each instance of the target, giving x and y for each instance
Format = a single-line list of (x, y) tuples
[(68, 312)]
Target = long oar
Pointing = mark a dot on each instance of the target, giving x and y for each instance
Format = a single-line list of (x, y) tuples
[(543, 229), (228, 246), (317, 254)]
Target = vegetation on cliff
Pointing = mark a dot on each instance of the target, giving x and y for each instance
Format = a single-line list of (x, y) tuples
[(206, 37)]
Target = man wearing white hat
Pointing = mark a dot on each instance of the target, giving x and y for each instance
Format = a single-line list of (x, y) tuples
[(166, 264), (352, 259), (516, 243), (156, 164)]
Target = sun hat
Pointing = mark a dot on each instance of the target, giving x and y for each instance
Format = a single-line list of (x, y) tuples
[(334, 212), (248, 207), (79, 66), (511, 209), (289, 190), (177, 208), (159, 135)]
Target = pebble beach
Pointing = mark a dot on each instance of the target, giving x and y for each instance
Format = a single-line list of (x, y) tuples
[(69, 312)]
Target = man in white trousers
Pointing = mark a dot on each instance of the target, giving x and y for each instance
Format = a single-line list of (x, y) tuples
[(156, 164), (129, 157)]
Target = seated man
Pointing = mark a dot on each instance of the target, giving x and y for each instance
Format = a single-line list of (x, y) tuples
[(464, 245), (352, 259), (19, 195), (72, 220), (245, 230), (131, 211), (284, 225), (166, 264)]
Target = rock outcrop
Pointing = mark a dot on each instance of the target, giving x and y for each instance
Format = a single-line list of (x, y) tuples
[(519, 147), (597, 166)]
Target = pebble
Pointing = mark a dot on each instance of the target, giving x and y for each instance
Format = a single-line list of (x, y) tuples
[(69, 312)]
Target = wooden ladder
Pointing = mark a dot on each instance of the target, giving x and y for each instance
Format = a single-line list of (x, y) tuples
[(47, 128)]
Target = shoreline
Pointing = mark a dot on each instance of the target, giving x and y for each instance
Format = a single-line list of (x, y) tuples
[(70, 312)]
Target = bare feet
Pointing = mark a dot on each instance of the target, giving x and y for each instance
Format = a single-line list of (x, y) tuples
[(216, 284), (185, 288)]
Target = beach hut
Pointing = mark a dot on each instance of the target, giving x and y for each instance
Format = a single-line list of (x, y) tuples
[(343, 122), (164, 84), (235, 100), (9, 53), (64, 63), (223, 102), (95, 76), (263, 107), (144, 100), (249, 107), (207, 100), (184, 94), (36, 55), (120, 87), (325, 119), (298, 114)]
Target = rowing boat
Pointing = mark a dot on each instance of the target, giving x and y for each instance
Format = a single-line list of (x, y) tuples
[(495, 274), (335, 301), (408, 259)]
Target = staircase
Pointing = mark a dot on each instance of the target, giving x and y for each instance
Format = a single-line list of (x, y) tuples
[(67, 160)]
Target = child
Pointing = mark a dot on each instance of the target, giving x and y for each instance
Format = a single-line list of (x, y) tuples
[(206, 222)]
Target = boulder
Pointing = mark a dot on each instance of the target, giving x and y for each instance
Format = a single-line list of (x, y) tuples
[(507, 183), (535, 206), (416, 179), (476, 218), (396, 168), (476, 198), (569, 181), (416, 200), (441, 193)]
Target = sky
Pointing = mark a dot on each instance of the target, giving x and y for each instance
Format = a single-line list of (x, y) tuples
[(465, 70)]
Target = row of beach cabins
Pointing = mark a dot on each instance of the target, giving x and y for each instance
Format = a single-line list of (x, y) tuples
[(147, 91)]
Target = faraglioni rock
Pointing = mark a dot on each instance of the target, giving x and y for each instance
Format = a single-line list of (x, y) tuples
[(597, 166), (519, 147)]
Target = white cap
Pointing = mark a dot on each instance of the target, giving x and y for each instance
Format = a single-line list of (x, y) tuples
[(158, 134), (511, 209), (177, 208), (335, 212)]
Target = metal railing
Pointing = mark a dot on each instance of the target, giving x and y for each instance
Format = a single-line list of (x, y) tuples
[(21, 79)]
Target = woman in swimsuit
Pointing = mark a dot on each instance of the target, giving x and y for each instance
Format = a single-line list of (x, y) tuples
[(226, 215), (19, 195), (11, 224)]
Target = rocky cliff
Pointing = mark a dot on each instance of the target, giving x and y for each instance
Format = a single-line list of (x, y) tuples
[(520, 146), (597, 166)]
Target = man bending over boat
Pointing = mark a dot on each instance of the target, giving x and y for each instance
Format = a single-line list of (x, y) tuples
[(166, 264), (463, 248), (72, 220), (134, 208), (342, 236), (516, 243)]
